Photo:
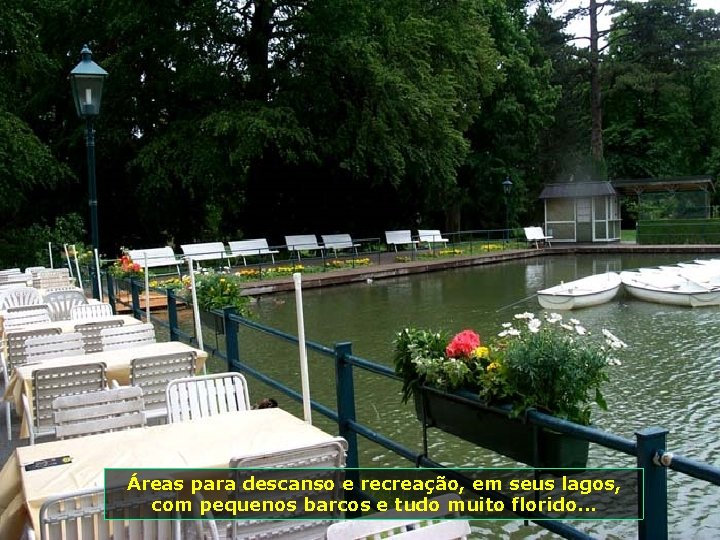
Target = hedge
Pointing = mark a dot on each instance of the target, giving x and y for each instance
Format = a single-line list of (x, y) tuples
[(679, 231)]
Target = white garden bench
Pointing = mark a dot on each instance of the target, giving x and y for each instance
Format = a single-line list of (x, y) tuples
[(430, 237), (302, 242), (399, 238), (250, 248), (339, 241), (207, 251), (156, 257), (536, 234)]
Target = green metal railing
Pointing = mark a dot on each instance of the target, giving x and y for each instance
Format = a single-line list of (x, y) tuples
[(648, 447)]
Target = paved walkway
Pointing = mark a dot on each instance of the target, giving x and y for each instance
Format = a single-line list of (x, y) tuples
[(7, 448)]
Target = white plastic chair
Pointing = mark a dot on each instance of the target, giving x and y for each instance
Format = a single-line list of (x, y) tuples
[(327, 455), (19, 316), (114, 409), (361, 529), (91, 333), (30, 270), (47, 279), (19, 296), (52, 383), (61, 303), (85, 312), (154, 373), (53, 346), (206, 395), (80, 514), (416, 525), (16, 279), (13, 356), (125, 337)]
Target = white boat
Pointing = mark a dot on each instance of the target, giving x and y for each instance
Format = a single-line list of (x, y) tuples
[(710, 262), (707, 276), (584, 292), (664, 287)]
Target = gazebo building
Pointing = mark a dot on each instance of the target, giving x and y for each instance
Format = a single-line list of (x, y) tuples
[(581, 212)]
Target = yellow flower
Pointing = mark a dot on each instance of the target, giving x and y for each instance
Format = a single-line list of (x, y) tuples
[(481, 352), (493, 366)]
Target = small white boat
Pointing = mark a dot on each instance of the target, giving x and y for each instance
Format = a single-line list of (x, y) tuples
[(704, 275), (709, 262), (584, 292), (664, 287)]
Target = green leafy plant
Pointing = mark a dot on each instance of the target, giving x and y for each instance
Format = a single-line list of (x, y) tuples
[(216, 291), (551, 365), (170, 283), (413, 347)]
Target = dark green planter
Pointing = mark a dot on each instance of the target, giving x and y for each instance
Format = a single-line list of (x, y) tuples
[(495, 430), (211, 320)]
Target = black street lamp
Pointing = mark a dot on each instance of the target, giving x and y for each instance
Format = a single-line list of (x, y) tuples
[(507, 188), (87, 84)]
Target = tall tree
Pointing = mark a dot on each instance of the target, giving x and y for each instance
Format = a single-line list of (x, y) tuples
[(366, 100), (596, 141), (598, 167), (29, 167), (506, 136), (563, 149), (660, 86)]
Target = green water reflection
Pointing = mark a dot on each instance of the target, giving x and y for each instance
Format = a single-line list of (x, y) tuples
[(669, 376)]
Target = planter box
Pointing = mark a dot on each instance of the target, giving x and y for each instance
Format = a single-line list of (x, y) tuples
[(216, 322), (495, 430)]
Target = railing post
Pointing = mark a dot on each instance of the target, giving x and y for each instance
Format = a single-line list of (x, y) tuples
[(135, 295), (345, 388), (654, 525), (172, 314), (232, 351), (111, 293), (93, 282)]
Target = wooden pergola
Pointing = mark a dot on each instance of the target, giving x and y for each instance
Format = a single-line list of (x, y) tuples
[(670, 185)]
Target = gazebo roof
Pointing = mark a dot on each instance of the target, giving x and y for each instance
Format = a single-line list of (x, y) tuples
[(670, 183), (573, 190)]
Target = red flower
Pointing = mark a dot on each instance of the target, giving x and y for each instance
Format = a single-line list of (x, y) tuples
[(463, 344)]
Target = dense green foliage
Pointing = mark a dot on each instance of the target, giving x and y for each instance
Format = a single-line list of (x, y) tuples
[(679, 231), (223, 120)]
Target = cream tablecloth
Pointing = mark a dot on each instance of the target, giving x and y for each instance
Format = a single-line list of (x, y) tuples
[(204, 443), (69, 326), (118, 368)]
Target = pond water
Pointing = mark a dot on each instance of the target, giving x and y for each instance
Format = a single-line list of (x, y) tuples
[(669, 376)]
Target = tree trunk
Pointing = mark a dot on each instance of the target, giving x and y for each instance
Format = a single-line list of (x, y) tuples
[(258, 45), (596, 142)]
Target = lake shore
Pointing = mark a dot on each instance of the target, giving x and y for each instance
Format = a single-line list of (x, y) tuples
[(385, 265)]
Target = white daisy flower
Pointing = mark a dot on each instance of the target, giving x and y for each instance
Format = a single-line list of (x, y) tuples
[(534, 325)]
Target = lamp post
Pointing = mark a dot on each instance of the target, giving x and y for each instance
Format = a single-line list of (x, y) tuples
[(87, 84), (507, 188)]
